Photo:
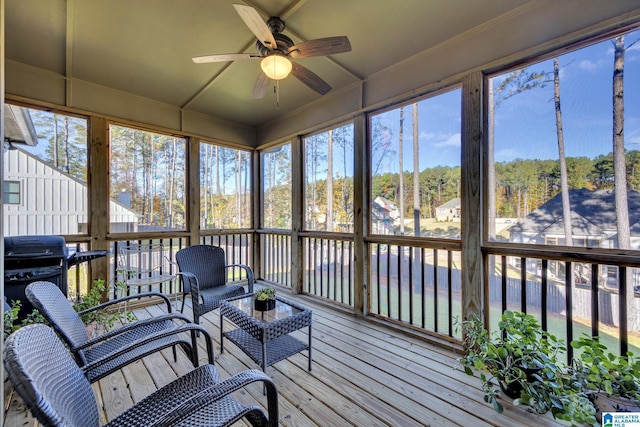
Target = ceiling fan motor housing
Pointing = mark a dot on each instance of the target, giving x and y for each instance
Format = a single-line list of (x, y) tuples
[(283, 44)]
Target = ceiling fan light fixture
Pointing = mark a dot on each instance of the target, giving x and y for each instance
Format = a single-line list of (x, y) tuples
[(276, 66)]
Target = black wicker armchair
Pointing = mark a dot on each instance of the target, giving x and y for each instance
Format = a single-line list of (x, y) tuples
[(57, 393), (104, 354), (204, 274)]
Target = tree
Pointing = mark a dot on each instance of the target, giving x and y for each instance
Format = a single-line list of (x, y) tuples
[(564, 181)]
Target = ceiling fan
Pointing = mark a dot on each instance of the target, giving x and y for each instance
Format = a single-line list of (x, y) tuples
[(276, 50)]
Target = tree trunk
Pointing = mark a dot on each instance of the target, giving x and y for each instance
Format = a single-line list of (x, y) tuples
[(564, 182), (400, 166), (329, 191), (620, 171), (491, 172), (416, 173)]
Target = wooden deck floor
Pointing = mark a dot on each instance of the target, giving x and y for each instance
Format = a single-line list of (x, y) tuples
[(363, 375)]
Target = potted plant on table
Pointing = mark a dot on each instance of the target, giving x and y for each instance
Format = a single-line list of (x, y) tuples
[(265, 299), (610, 381)]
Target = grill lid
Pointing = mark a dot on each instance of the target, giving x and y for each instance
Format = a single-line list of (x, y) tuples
[(29, 247)]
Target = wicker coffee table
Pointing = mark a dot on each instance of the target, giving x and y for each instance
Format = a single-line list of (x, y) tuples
[(264, 335)]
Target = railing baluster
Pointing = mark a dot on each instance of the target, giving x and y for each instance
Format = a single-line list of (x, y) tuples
[(622, 301), (435, 290), (595, 303)]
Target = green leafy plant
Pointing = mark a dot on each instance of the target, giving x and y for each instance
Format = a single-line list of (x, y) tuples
[(520, 356), (599, 373), (512, 359), (103, 319), (10, 318), (265, 294), (11, 323)]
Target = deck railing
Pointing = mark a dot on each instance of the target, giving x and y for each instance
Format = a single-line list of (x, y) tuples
[(416, 285), (328, 271), (591, 300), (276, 257), (237, 248)]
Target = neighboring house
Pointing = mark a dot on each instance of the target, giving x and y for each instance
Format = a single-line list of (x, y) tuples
[(593, 223), (40, 199), (449, 211), (384, 215), (593, 220)]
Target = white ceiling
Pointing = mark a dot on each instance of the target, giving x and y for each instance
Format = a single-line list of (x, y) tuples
[(144, 47)]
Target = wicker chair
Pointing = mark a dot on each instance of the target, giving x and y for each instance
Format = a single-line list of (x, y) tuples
[(104, 354), (204, 274), (57, 393)]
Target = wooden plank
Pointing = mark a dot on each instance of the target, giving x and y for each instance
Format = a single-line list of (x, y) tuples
[(115, 394), (471, 196)]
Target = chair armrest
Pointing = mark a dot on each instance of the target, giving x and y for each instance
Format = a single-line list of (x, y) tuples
[(127, 298), (132, 326), (249, 271), (189, 327), (191, 280), (222, 389)]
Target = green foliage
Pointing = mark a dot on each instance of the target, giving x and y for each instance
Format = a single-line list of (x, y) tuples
[(598, 370), (520, 355), (104, 319), (265, 294), (11, 317), (509, 355)]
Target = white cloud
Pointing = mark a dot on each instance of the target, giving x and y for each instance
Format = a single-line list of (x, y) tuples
[(589, 66), (441, 139), (451, 141)]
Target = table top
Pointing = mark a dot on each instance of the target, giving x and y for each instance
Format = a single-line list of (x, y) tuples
[(284, 309)]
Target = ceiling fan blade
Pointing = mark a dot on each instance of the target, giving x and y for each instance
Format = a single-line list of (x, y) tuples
[(256, 24), (261, 86), (225, 57), (321, 47), (310, 79)]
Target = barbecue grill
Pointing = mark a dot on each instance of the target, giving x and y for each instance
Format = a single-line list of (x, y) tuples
[(29, 259)]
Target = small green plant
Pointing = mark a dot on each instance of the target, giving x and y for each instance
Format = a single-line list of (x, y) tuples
[(11, 318), (104, 319), (265, 294), (598, 370)]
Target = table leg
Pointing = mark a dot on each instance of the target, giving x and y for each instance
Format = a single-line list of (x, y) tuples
[(221, 332), (310, 347)]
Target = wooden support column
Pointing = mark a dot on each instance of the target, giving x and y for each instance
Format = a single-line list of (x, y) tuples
[(297, 217), (98, 181), (256, 219), (360, 215), (471, 196), (193, 192)]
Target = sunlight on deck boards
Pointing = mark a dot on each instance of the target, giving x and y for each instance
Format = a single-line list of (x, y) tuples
[(363, 375)]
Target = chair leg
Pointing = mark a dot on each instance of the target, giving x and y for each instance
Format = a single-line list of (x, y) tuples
[(182, 308)]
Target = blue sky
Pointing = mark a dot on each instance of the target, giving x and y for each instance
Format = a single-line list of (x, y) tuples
[(525, 126)]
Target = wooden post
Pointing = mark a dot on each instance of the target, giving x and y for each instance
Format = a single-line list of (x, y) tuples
[(361, 172), (471, 196), (98, 182), (256, 190), (297, 217), (193, 192)]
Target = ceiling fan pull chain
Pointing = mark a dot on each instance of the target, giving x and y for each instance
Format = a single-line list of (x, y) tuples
[(277, 89)]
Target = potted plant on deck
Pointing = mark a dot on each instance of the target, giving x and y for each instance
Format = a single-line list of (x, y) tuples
[(512, 359), (265, 299), (610, 381)]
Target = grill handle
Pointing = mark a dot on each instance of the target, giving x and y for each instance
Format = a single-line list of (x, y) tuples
[(46, 252)]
